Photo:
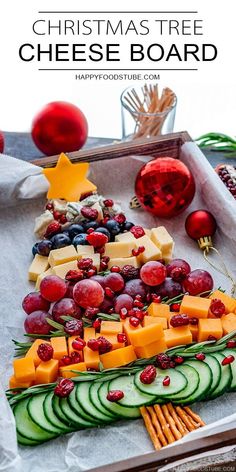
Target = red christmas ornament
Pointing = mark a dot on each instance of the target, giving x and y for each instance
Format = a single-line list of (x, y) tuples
[(164, 187), (201, 225), (59, 127), (1, 142)]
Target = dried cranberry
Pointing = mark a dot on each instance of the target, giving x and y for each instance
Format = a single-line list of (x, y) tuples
[(163, 361), (115, 395), (200, 356), (148, 375), (133, 321), (104, 345), (217, 307), (63, 220), (228, 360), (121, 338), (53, 228), (120, 218), (129, 272), (85, 263), (108, 203), (179, 320), (91, 312), (74, 275), (64, 388), (115, 269), (97, 239), (56, 215), (45, 352), (89, 213), (137, 231), (74, 327), (49, 206), (93, 344), (231, 343), (166, 381), (97, 324), (75, 357), (78, 344)]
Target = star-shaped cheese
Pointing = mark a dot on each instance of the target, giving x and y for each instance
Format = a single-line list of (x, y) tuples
[(68, 181)]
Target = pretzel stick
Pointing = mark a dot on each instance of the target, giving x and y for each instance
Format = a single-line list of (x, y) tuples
[(150, 429), (171, 422), (184, 418), (157, 425), (181, 427), (165, 427), (194, 415)]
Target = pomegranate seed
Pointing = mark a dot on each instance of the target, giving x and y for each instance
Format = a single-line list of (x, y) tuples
[(75, 357), (108, 202), (115, 395), (93, 344), (65, 360), (193, 321), (90, 230), (97, 324), (56, 215), (133, 321), (123, 313), (53, 228), (91, 273), (178, 359), (200, 356), (45, 352), (91, 312), (85, 263), (78, 344), (64, 388), (89, 213), (115, 269), (179, 320), (49, 206), (211, 338), (140, 315), (137, 231), (74, 275), (138, 297), (163, 361), (97, 239), (111, 311), (138, 251), (121, 338), (109, 293), (148, 375), (175, 307), (217, 307), (166, 381), (231, 343), (228, 360), (103, 266), (155, 298), (104, 345), (74, 327), (63, 220), (135, 252), (120, 218), (138, 303)]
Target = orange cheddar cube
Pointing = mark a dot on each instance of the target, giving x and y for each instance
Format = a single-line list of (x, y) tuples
[(59, 347), (66, 371), (151, 349), (32, 352), (119, 357), (229, 302), (148, 320), (89, 333), (24, 369), (141, 336), (47, 372), (195, 307), (228, 323), (112, 338), (194, 331), (111, 327), (209, 326), (176, 336), (159, 309), (13, 383), (91, 358)]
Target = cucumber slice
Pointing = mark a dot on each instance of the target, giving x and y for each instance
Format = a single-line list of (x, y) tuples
[(93, 394), (133, 397), (50, 415), (74, 417), (25, 441), (36, 413), (225, 377), (61, 415), (192, 384), (28, 428), (178, 383), (205, 379), (79, 411), (214, 365), (227, 352), (115, 408), (82, 396)]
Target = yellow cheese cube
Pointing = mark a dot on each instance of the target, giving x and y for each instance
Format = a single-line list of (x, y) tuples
[(119, 249), (46, 372), (228, 323), (122, 261), (59, 347), (209, 327), (41, 277), (62, 269), (85, 251), (128, 236), (147, 232), (62, 255), (195, 307), (159, 309), (96, 260), (148, 320), (91, 358), (32, 352), (65, 371), (13, 383), (118, 357), (151, 349), (177, 336), (141, 336), (111, 327), (37, 266), (162, 239), (24, 369), (229, 302), (151, 253), (89, 333)]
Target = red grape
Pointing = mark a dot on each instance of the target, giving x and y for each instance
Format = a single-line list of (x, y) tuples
[(106, 305), (65, 306), (88, 293), (153, 273), (36, 323), (123, 301), (53, 288), (114, 281), (69, 290), (135, 287), (33, 302), (169, 288), (100, 279), (198, 281), (179, 264)]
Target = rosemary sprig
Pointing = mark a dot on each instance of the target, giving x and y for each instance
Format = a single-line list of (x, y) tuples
[(21, 348), (14, 398)]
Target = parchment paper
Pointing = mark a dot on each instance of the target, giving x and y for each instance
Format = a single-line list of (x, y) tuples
[(115, 178)]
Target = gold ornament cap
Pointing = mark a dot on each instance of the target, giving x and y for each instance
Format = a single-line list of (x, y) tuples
[(205, 243)]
